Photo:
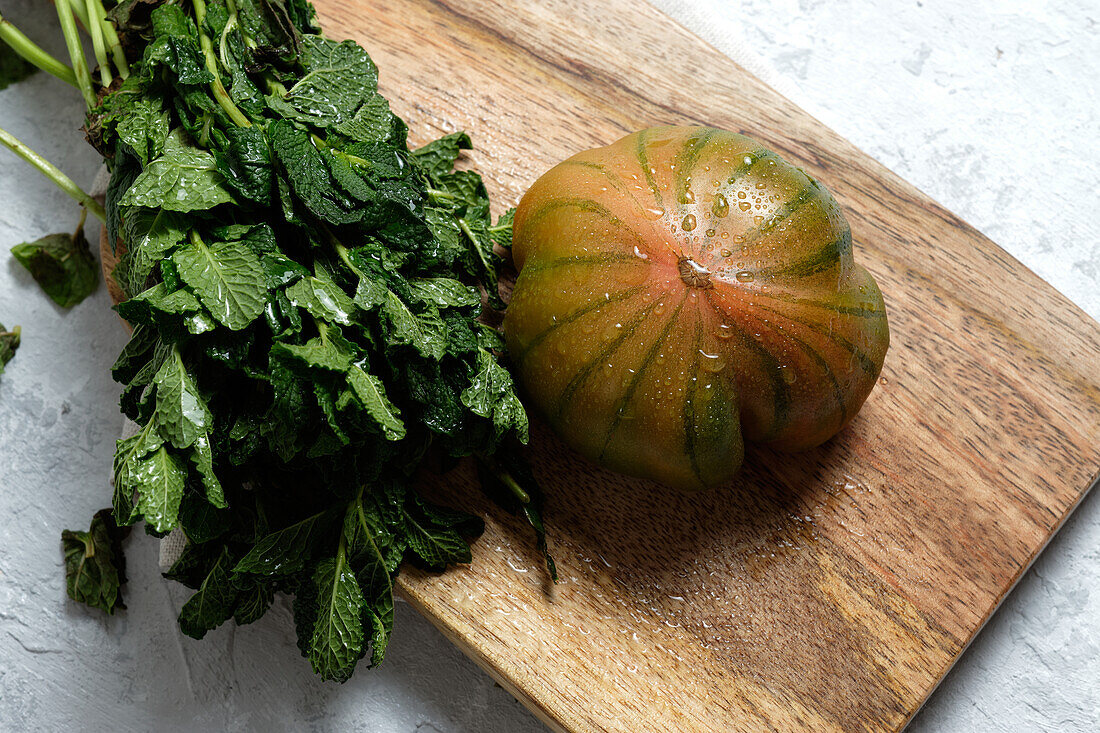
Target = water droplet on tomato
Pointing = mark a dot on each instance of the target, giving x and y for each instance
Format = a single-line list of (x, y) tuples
[(612, 331), (721, 206), (659, 309), (744, 205), (758, 220), (688, 197), (654, 212), (759, 185), (688, 223), (788, 374), (640, 254), (726, 253), (709, 232), (744, 276), (712, 362), (725, 331), (748, 160)]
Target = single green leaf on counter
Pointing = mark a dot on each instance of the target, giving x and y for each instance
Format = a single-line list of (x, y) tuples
[(62, 264), (13, 67), (95, 567), (9, 342)]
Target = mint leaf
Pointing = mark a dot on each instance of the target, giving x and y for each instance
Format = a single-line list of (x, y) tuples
[(445, 292), (322, 299), (228, 279), (9, 342), (372, 396), (340, 79), (183, 178), (492, 395), (286, 551), (336, 641), (159, 482), (144, 127), (212, 604), (150, 235), (95, 567), (62, 265), (181, 416)]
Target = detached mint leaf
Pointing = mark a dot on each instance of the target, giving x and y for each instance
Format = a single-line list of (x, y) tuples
[(9, 342), (95, 567), (336, 642), (184, 178), (62, 265), (227, 277), (13, 68)]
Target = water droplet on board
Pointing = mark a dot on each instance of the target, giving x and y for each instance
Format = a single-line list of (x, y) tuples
[(758, 220), (688, 223), (721, 206), (744, 205), (725, 235), (744, 276)]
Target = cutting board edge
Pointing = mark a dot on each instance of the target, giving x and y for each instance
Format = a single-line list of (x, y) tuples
[(1004, 596), (529, 701)]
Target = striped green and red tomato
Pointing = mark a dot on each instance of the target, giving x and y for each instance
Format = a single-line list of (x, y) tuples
[(683, 290)]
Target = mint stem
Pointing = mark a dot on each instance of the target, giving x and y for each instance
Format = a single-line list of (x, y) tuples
[(52, 172), (95, 30), (216, 86), (76, 52), (111, 35), (33, 53)]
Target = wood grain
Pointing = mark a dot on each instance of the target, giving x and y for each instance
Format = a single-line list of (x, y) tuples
[(829, 590)]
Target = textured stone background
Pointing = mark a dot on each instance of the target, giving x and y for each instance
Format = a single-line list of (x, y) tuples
[(989, 106)]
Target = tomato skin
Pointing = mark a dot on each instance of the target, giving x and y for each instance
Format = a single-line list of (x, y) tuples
[(683, 290)]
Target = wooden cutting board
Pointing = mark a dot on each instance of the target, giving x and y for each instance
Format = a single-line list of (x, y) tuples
[(830, 590)]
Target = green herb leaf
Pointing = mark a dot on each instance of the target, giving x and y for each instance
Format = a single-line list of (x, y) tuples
[(286, 551), (372, 396), (9, 342), (182, 416), (184, 178), (95, 567), (228, 279), (492, 394), (213, 603), (13, 68), (336, 641), (62, 265)]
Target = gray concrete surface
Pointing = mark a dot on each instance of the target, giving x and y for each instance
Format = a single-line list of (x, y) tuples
[(990, 108)]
